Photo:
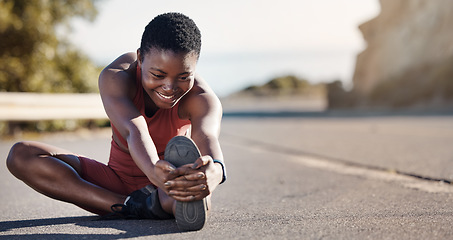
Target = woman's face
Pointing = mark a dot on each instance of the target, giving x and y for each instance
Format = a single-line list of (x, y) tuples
[(167, 76)]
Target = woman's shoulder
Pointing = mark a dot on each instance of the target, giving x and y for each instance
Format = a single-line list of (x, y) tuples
[(201, 98), (121, 73)]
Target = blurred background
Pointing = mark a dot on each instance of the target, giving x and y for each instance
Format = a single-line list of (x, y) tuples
[(338, 114), (257, 55)]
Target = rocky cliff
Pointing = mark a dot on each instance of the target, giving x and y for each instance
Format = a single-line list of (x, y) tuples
[(409, 55)]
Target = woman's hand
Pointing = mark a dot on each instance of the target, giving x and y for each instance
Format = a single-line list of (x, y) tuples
[(195, 181), (163, 171)]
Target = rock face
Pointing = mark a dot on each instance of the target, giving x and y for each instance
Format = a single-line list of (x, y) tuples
[(408, 39)]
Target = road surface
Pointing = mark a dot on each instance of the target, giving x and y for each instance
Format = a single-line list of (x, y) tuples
[(290, 177)]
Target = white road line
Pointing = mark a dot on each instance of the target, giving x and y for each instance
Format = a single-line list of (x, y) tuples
[(403, 180), (345, 169)]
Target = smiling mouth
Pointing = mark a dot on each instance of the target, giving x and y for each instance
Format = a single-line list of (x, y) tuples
[(165, 96)]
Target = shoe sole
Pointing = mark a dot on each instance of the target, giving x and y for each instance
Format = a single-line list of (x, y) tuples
[(190, 216)]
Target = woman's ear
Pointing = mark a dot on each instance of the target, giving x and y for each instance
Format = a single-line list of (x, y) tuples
[(139, 57)]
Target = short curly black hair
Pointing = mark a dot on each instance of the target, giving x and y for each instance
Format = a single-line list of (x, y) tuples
[(171, 31)]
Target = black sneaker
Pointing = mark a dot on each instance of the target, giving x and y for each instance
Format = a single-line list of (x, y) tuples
[(190, 216), (142, 204)]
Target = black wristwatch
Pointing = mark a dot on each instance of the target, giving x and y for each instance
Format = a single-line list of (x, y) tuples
[(223, 170)]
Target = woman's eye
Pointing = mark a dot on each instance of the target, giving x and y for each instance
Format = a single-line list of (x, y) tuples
[(185, 78), (157, 75)]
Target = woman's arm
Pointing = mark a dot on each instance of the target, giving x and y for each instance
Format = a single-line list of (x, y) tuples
[(204, 110), (117, 88)]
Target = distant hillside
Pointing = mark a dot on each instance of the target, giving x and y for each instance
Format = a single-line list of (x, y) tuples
[(285, 86), (286, 93)]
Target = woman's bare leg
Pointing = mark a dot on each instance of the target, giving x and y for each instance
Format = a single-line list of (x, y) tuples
[(54, 172)]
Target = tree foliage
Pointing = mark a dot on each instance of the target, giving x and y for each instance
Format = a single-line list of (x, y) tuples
[(33, 57)]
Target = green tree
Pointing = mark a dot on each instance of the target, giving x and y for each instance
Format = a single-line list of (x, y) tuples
[(33, 58)]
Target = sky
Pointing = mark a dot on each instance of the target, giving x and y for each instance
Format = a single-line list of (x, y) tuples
[(243, 42)]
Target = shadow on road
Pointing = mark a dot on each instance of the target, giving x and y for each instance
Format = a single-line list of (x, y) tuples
[(121, 228)]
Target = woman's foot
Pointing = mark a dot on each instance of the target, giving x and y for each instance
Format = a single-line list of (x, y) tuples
[(190, 216)]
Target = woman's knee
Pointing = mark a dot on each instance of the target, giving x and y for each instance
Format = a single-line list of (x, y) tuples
[(18, 155)]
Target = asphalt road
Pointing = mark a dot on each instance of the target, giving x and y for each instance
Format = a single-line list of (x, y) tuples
[(289, 178)]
